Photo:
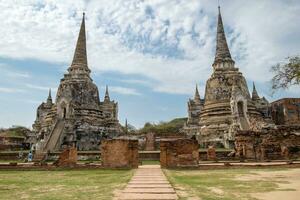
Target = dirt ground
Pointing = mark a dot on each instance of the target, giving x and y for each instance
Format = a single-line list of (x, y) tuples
[(289, 186)]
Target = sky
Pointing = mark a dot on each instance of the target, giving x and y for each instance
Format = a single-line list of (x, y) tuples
[(150, 53)]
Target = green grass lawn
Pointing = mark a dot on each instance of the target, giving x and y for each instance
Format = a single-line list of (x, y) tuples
[(62, 184), (218, 184), (150, 162)]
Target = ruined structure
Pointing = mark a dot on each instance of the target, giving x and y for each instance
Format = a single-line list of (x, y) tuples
[(77, 117), (286, 111), (67, 158), (280, 143), (211, 153), (262, 104), (150, 141), (179, 153), (195, 106), (227, 105), (120, 153)]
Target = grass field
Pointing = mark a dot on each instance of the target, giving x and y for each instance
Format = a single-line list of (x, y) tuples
[(231, 184), (62, 184), (150, 162)]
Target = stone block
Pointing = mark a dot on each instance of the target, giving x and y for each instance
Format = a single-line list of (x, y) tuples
[(150, 142), (67, 158), (120, 153), (211, 153), (179, 153)]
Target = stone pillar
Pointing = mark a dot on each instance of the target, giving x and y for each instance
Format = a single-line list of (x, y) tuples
[(150, 142), (285, 152), (119, 153), (211, 153), (163, 154)]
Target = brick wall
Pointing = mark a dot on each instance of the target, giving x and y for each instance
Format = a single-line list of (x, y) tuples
[(179, 153), (119, 153), (67, 158), (280, 143)]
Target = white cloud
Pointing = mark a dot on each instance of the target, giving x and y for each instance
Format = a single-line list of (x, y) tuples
[(11, 90), (168, 41), (123, 90), (137, 81)]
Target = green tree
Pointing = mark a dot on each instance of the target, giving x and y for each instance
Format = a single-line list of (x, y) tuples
[(286, 74), (163, 128)]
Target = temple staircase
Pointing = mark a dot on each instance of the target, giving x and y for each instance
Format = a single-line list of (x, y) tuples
[(55, 136)]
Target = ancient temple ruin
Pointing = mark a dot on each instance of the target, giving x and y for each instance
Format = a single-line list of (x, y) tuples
[(195, 106), (261, 103), (286, 111), (227, 105), (78, 117)]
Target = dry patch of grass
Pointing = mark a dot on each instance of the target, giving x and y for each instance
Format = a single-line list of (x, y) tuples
[(63, 184), (231, 184)]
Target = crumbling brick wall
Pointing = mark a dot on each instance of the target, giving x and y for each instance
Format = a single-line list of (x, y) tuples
[(179, 153), (119, 153), (286, 111), (280, 143), (67, 158), (211, 153)]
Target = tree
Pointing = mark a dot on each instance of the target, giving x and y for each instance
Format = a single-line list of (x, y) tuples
[(163, 128), (286, 74)]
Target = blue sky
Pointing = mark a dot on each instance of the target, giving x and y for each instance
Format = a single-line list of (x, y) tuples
[(150, 53)]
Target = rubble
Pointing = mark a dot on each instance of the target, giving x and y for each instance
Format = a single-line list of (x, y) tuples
[(67, 158)]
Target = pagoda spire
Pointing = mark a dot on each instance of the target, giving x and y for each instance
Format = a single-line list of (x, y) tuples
[(49, 99), (222, 55), (197, 95), (79, 64), (106, 97), (254, 93)]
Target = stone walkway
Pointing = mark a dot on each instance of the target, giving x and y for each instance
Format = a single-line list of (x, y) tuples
[(148, 183)]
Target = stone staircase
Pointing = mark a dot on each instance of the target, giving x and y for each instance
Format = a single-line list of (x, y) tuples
[(148, 183), (54, 136)]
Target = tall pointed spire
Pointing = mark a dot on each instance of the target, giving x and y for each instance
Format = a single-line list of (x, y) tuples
[(197, 95), (254, 93), (222, 51), (49, 99), (79, 64), (106, 97)]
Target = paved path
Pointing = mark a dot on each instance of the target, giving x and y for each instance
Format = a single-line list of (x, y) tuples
[(148, 183)]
